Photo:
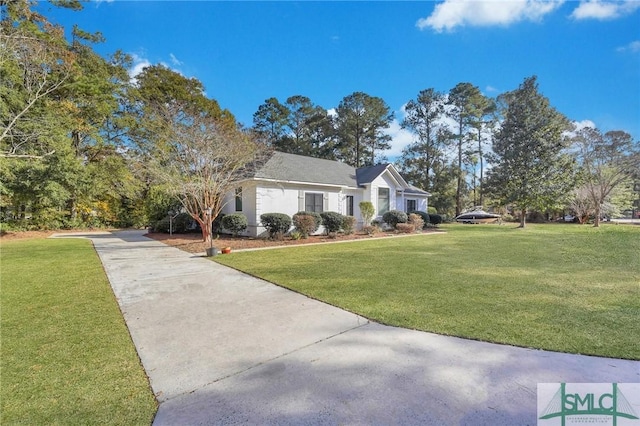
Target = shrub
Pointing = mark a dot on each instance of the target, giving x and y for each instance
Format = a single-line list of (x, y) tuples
[(236, 223), (432, 210), (416, 221), (435, 219), (536, 217), (508, 218), (394, 217), (367, 211), (332, 221), (305, 224), (315, 215), (216, 225), (348, 223), (406, 228), (277, 224), (370, 229), (424, 216), (181, 224)]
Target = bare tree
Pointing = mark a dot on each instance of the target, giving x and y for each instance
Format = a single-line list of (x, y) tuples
[(202, 160), (581, 203), (32, 69), (607, 161)]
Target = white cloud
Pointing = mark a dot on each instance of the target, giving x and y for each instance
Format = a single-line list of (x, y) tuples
[(584, 123), (579, 125), (400, 138), (454, 13), (633, 47), (174, 60), (139, 63), (602, 9)]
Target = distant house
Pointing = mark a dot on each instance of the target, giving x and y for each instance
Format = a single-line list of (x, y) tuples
[(289, 183)]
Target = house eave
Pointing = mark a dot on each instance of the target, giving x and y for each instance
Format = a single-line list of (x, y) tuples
[(294, 182)]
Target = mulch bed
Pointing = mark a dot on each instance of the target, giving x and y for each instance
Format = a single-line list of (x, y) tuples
[(193, 243)]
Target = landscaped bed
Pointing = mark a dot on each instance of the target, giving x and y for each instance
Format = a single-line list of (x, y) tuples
[(192, 242), (566, 288)]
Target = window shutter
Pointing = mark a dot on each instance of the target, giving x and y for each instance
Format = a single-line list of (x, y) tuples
[(300, 200), (325, 202)]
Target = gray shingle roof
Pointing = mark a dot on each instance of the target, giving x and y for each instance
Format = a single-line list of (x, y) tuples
[(298, 168), (366, 175)]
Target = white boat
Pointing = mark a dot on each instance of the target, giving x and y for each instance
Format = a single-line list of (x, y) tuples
[(478, 216)]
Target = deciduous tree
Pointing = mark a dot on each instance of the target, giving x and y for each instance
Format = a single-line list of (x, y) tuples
[(201, 160), (606, 162)]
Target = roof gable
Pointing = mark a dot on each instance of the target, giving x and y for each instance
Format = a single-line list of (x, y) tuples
[(365, 175)]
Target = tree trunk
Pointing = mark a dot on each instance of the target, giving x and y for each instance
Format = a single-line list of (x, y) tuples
[(523, 217), (205, 227), (481, 166), (596, 221), (459, 178)]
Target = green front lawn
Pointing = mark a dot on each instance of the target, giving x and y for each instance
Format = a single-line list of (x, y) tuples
[(567, 288), (67, 357)]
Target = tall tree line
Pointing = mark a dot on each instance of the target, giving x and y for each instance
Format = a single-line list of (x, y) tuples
[(355, 134), (83, 143)]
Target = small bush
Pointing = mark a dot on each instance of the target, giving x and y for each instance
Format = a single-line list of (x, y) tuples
[(394, 217), (348, 224), (216, 225), (370, 229), (315, 215), (424, 216), (432, 210), (508, 218), (416, 221), (536, 217), (367, 211), (305, 224), (435, 219), (406, 228), (277, 224), (332, 221), (181, 224), (236, 223)]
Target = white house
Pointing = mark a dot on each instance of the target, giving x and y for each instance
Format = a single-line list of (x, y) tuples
[(289, 183)]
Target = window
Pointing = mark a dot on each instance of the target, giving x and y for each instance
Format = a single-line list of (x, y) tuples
[(238, 199), (313, 202), (349, 205), (411, 206), (383, 201)]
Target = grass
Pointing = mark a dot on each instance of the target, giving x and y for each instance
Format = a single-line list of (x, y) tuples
[(67, 357), (566, 288)]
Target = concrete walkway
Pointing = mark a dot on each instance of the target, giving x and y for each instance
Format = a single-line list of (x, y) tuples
[(221, 347)]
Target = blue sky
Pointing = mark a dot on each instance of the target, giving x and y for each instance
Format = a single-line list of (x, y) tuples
[(586, 54)]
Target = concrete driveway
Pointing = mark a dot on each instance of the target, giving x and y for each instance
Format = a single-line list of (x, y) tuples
[(221, 347)]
